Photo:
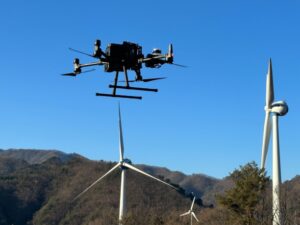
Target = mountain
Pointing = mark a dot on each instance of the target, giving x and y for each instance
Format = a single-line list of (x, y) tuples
[(201, 185), (40, 189), (33, 156)]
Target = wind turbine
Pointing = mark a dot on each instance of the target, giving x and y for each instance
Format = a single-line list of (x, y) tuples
[(275, 109), (191, 212), (123, 164)]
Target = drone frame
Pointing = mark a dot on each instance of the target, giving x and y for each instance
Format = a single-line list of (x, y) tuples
[(159, 58)]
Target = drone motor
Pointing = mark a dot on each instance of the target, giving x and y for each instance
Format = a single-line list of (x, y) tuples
[(76, 63)]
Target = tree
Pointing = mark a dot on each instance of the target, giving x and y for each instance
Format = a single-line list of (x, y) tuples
[(246, 201)]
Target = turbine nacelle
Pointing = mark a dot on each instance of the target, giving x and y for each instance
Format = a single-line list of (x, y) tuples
[(280, 108)]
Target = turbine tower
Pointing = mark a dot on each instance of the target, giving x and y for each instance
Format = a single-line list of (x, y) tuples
[(191, 212), (123, 164), (275, 109)]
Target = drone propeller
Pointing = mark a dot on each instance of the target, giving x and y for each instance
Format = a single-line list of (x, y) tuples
[(175, 64), (170, 50), (70, 74), (153, 79), (84, 53), (145, 80), (170, 56), (74, 74)]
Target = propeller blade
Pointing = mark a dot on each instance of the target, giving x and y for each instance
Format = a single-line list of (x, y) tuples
[(153, 79), (269, 86), (89, 187), (74, 74), (121, 147), (70, 74), (175, 64), (193, 203), (185, 214), (130, 81), (146, 174), (266, 138), (84, 53), (87, 71), (144, 80), (170, 50), (193, 214)]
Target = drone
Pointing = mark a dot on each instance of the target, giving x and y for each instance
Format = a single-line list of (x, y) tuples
[(121, 58)]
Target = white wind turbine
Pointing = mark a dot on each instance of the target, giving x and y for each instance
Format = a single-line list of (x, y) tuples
[(123, 165), (275, 109), (191, 212)]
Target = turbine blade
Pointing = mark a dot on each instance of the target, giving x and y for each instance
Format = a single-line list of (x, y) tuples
[(185, 214), (121, 147), (193, 214), (87, 71), (269, 87), (89, 187), (266, 139), (193, 203), (146, 174)]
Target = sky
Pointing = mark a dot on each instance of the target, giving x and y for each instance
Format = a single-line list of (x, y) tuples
[(206, 118)]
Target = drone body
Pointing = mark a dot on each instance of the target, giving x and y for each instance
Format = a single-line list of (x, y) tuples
[(120, 58)]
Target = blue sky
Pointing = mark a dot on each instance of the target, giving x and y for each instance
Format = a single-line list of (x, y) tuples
[(207, 118)]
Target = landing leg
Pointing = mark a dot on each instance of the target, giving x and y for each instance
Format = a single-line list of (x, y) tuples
[(126, 76), (116, 81)]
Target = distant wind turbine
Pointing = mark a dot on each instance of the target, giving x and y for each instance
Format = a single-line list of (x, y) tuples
[(123, 165), (279, 108), (191, 212)]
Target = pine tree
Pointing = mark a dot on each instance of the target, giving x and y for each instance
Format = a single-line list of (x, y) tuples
[(244, 201)]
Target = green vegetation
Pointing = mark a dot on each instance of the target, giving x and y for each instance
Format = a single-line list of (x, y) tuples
[(245, 199)]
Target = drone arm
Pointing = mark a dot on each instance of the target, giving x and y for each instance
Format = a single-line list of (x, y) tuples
[(151, 58), (99, 63)]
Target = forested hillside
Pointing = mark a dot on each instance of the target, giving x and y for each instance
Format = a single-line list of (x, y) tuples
[(38, 187)]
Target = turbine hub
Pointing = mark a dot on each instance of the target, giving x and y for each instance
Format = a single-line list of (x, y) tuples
[(280, 108), (128, 161)]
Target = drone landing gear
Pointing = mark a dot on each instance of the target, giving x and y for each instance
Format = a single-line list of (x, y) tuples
[(115, 86), (118, 96), (133, 88)]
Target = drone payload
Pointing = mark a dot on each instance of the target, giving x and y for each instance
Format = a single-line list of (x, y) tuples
[(121, 58)]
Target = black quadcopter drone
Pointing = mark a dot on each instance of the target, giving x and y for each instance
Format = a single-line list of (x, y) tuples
[(120, 58)]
